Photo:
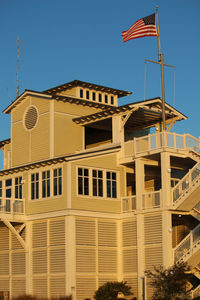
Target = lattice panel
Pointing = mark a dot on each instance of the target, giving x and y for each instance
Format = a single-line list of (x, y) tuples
[(4, 265), (86, 287), (85, 232), (4, 284), (57, 287), (4, 238), (40, 287), (153, 257), (107, 261), (57, 260), (107, 234), (18, 263), (129, 231), (132, 281), (57, 232), (153, 229), (18, 287), (39, 261), (39, 234), (130, 260), (85, 260)]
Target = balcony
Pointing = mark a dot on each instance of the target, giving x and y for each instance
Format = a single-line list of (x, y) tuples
[(155, 142), (149, 201), (12, 206)]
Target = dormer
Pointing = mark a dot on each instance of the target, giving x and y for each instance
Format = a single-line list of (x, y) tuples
[(90, 92)]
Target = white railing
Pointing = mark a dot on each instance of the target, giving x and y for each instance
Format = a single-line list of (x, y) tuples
[(186, 247), (189, 180), (166, 139), (10, 206), (151, 200), (129, 203)]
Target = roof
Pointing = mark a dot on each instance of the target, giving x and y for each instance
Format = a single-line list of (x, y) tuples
[(4, 142), (141, 114), (88, 85)]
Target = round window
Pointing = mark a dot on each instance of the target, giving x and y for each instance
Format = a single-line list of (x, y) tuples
[(31, 117)]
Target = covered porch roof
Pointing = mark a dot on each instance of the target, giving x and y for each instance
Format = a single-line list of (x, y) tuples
[(138, 115)]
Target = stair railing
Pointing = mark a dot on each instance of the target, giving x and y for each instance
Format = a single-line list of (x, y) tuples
[(186, 183), (184, 249)]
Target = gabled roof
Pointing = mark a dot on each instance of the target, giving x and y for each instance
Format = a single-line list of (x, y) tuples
[(97, 87), (142, 113)]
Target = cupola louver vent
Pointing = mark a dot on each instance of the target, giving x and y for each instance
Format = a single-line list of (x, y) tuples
[(31, 118)]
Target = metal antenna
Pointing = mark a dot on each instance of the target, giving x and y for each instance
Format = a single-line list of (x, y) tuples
[(17, 80)]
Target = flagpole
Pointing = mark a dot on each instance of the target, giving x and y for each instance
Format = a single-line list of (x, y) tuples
[(160, 59)]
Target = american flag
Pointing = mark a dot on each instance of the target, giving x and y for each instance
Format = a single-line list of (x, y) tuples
[(143, 27)]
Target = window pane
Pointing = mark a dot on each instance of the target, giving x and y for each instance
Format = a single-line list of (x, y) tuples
[(60, 186), (80, 186), (55, 187), (94, 187), (81, 93), (114, 190), (108, 189), (86, 186), (100, 187)]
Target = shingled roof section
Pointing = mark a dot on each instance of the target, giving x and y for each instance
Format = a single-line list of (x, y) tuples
[(88, 85)]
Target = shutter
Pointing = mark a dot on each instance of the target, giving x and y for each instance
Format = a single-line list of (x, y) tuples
[(107, 234), (86, 287), (85, 232), (18, 263), (85, 260), (4, 237), (4, 265), (4, 284), (153, 229), (57, 260), (40, 287), (39, 234), (57, 232), (107, 260), (130, 260), (57, 287), (153, 256), (132, 281), (129, 231), (18, 287), (39, 261)]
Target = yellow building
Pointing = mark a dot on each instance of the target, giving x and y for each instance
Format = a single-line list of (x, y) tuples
[(93, 192)]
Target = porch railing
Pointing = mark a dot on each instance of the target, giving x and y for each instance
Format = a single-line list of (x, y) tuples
[(166, 139), (151, 200), (196, 292), (128, 203), (10, 206), (189, 180), (185, 248)]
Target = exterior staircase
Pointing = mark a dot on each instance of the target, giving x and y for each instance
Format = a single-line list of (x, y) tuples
[(185, 194), (188, 250)]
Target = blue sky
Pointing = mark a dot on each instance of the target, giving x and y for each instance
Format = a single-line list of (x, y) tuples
[(63, 40)]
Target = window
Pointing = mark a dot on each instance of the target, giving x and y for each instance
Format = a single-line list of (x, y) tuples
[(111, 184), (18, 187), (87, 94), (45, 184), (83, 181), (103, 183), (8, 188), (35, 186), (100, 98), (106, 98), (112, 100), (93, 96), (57, 181), (81, 93), (97, 183)]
